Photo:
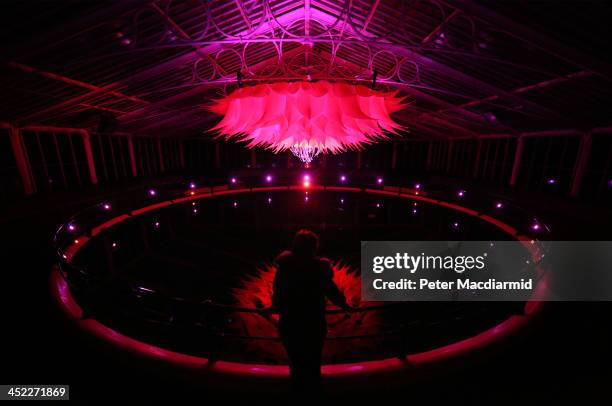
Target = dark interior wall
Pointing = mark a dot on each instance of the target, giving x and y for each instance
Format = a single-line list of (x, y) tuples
[(598, 175), (111, 157), (548, 163), (58, 161), (10, 182)]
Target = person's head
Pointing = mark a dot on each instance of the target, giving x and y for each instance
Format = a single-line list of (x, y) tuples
[(305, 243)]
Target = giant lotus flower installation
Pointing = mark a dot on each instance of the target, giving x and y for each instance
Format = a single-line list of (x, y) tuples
[(307, 118)]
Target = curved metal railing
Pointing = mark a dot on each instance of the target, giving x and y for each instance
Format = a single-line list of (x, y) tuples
[(83, 222)]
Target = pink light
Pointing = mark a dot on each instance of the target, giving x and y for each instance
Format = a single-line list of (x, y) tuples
[(268, 178), (342, 201), (305, 154), (71, 227), (378, 205), (342, 178), (192, 185), (235, 204), (306, 184), (456, 224), (379, 180), (414, 211), (417, 186), (269, 200), (306, 199), (152, 192), (461, 193), (106, 206), (233, 181), (156, 224), (307, 118), (551, 181), (499, 205), (535, 227)]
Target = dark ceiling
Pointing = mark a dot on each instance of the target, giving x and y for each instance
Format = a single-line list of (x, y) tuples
[(148, 67)]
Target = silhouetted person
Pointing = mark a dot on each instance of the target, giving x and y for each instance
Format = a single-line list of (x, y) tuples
[(302, 283)]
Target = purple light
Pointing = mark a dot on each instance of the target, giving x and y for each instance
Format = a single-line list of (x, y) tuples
[(306, 178), (152, 192), (417, 186), (268, 178), (233, 181), (269, 200), (378, 205), (379, 180), (456, 225), (461, 194), (156, 224), (114, 244), (535, 227), (414, 211), (106, 206), (192, 185), (306, 199), (551, 181), (235, 204), (610, 183), (342, 200), (342, 178), (499, 205), (195, 211), (71, 227)]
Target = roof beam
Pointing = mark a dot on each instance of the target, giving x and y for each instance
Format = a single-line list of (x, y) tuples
[(523, 89), (461, 77), (146, 74), (439, 28), (243, 14), (197, 89), (174, 117), (77, 26), (368, 19), (445, 106), (534, 38), (74, 82)]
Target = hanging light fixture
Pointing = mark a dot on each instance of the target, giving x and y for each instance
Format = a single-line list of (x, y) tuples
[(307, 118)]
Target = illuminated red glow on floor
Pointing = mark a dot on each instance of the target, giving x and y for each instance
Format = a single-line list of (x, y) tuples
[(255, 291)]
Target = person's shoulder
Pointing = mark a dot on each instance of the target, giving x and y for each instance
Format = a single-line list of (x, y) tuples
[(325, 263), (283, 257)]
